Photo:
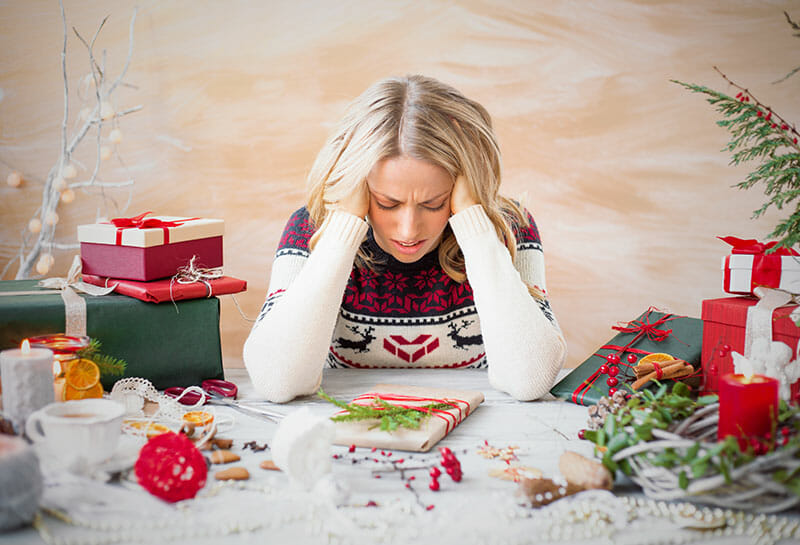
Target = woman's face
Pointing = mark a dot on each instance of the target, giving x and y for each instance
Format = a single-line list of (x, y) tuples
[(409, 205)]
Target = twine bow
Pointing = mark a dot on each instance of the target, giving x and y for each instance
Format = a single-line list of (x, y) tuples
[(191, 273)]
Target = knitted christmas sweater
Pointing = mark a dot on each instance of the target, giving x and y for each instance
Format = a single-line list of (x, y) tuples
[(321, 309)]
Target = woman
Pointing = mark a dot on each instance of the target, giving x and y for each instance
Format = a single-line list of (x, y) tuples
[(406, 255)]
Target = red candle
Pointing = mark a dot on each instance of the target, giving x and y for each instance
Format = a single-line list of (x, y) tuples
[(748, 407)]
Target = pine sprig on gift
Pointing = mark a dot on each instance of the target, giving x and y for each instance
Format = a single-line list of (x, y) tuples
[(390, 416), (760, 134), (108, 365)]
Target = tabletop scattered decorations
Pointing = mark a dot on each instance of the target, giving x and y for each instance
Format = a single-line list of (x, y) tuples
[(402, 417), (666, 442)]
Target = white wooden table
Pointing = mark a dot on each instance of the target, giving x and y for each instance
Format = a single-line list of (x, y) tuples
[(480, 509)]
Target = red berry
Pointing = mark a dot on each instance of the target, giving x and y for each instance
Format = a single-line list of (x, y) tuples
[(722, 353), (456, 477), (429, 507), (335, 456), (388, 454), (784, 126), (581, 434), (412, 478), (784, 441), (374, 449), (377, 476), (631, 358), (603, 369), (785, 431), (773, 125), (612, 391), (612, 381), (383, 453), (400, 460), (434, 485), (352, 448), (795, 140), (759, 114), (434, 472), (613, 371), (449, 460), (726, 347), (614, 358), (371, 503), (445, 451), (712, 369), (408, 485)]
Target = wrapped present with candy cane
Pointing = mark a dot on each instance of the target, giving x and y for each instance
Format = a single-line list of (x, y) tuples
[(613, 365), (753, 263)]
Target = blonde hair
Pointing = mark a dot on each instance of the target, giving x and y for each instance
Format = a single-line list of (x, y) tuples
[(422, 118)]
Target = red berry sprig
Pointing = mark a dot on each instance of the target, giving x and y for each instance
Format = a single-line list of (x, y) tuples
[(451, 466)]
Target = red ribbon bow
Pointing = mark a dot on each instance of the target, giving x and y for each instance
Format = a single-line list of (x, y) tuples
[(754, 247), (642, 328), (140, 222)]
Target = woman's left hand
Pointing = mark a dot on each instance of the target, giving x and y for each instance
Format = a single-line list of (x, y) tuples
[(461, 196)]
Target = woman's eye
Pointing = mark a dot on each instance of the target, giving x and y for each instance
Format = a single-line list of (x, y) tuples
[(385, 207), (435, 208)]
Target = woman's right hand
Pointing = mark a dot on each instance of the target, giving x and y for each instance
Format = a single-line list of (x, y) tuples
[(357, 203)]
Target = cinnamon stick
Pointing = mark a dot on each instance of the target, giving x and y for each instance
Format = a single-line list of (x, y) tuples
[(646, 368), (671, 372)]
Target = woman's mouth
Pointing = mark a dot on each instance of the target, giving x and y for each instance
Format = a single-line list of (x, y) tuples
[(408, 247)]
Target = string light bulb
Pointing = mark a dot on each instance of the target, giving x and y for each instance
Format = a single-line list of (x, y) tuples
[(59, 184), (35, 225), (14, 179), (115, 136), (106, 111), (69, 171), (51, 218), (45, 263), (105, 152), (67, 196)]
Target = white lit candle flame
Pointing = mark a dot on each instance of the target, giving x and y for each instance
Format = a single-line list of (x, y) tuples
[(25, 347)]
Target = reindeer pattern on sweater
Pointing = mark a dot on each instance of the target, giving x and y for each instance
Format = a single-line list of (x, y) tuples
[(402, 314)]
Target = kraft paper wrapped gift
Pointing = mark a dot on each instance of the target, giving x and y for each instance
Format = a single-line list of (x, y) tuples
[(367, 433), (652, 332), (166, 344), (165, 290), (145, 249), (750, 266)]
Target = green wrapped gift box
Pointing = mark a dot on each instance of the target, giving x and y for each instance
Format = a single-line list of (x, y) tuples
[(169, 345), (652, 332)]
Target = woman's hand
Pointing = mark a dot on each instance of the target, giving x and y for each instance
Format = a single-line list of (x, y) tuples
[(357, 203), (461, 196)]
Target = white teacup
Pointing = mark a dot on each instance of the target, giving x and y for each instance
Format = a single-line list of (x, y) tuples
[(77, 433)]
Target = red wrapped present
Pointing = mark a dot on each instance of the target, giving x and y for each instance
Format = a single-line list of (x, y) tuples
[(145, 249), (724, 325), (167, 289), (749, 266)]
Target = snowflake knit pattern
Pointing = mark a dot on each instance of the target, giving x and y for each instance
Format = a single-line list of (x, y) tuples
[(403, 314)]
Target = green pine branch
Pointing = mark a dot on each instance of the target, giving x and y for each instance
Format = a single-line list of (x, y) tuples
[(389, 416), (758, 134), (108, 365)]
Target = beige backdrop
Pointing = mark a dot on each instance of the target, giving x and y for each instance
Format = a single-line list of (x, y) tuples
[(621, 168)]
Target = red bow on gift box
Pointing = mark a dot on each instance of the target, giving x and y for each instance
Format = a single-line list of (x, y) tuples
[(140, 222), (754, 247)]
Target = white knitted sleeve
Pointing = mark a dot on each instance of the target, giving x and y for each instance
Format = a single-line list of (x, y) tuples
[(524, 345), (287, 347)]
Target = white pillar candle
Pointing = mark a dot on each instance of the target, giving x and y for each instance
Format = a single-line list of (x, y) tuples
[(27, 375)]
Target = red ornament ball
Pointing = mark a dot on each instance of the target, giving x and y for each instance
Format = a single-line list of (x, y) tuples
[(603, 369), (170, 467), (612, 381), (632, 358), (613, 371)]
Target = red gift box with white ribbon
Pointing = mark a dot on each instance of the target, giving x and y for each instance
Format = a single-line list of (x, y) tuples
[(749, 266), (148, 248)]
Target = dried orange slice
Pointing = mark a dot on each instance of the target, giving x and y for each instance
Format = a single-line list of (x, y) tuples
[(657, 357), (151, 429), (198, 418), (70, 393), (82, 374)]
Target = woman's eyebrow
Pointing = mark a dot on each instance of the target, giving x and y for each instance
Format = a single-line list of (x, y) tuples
[(393, 200)]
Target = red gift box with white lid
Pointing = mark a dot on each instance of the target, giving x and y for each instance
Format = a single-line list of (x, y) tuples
[(749, 266), (148, 248)]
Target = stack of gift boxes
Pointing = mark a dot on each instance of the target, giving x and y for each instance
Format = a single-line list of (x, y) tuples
[(709, 343), (162, 317)]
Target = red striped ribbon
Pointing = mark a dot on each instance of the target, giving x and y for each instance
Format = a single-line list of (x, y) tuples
[(451, 419)]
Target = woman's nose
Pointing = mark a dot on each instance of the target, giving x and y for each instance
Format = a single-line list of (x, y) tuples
[(407, 224)]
